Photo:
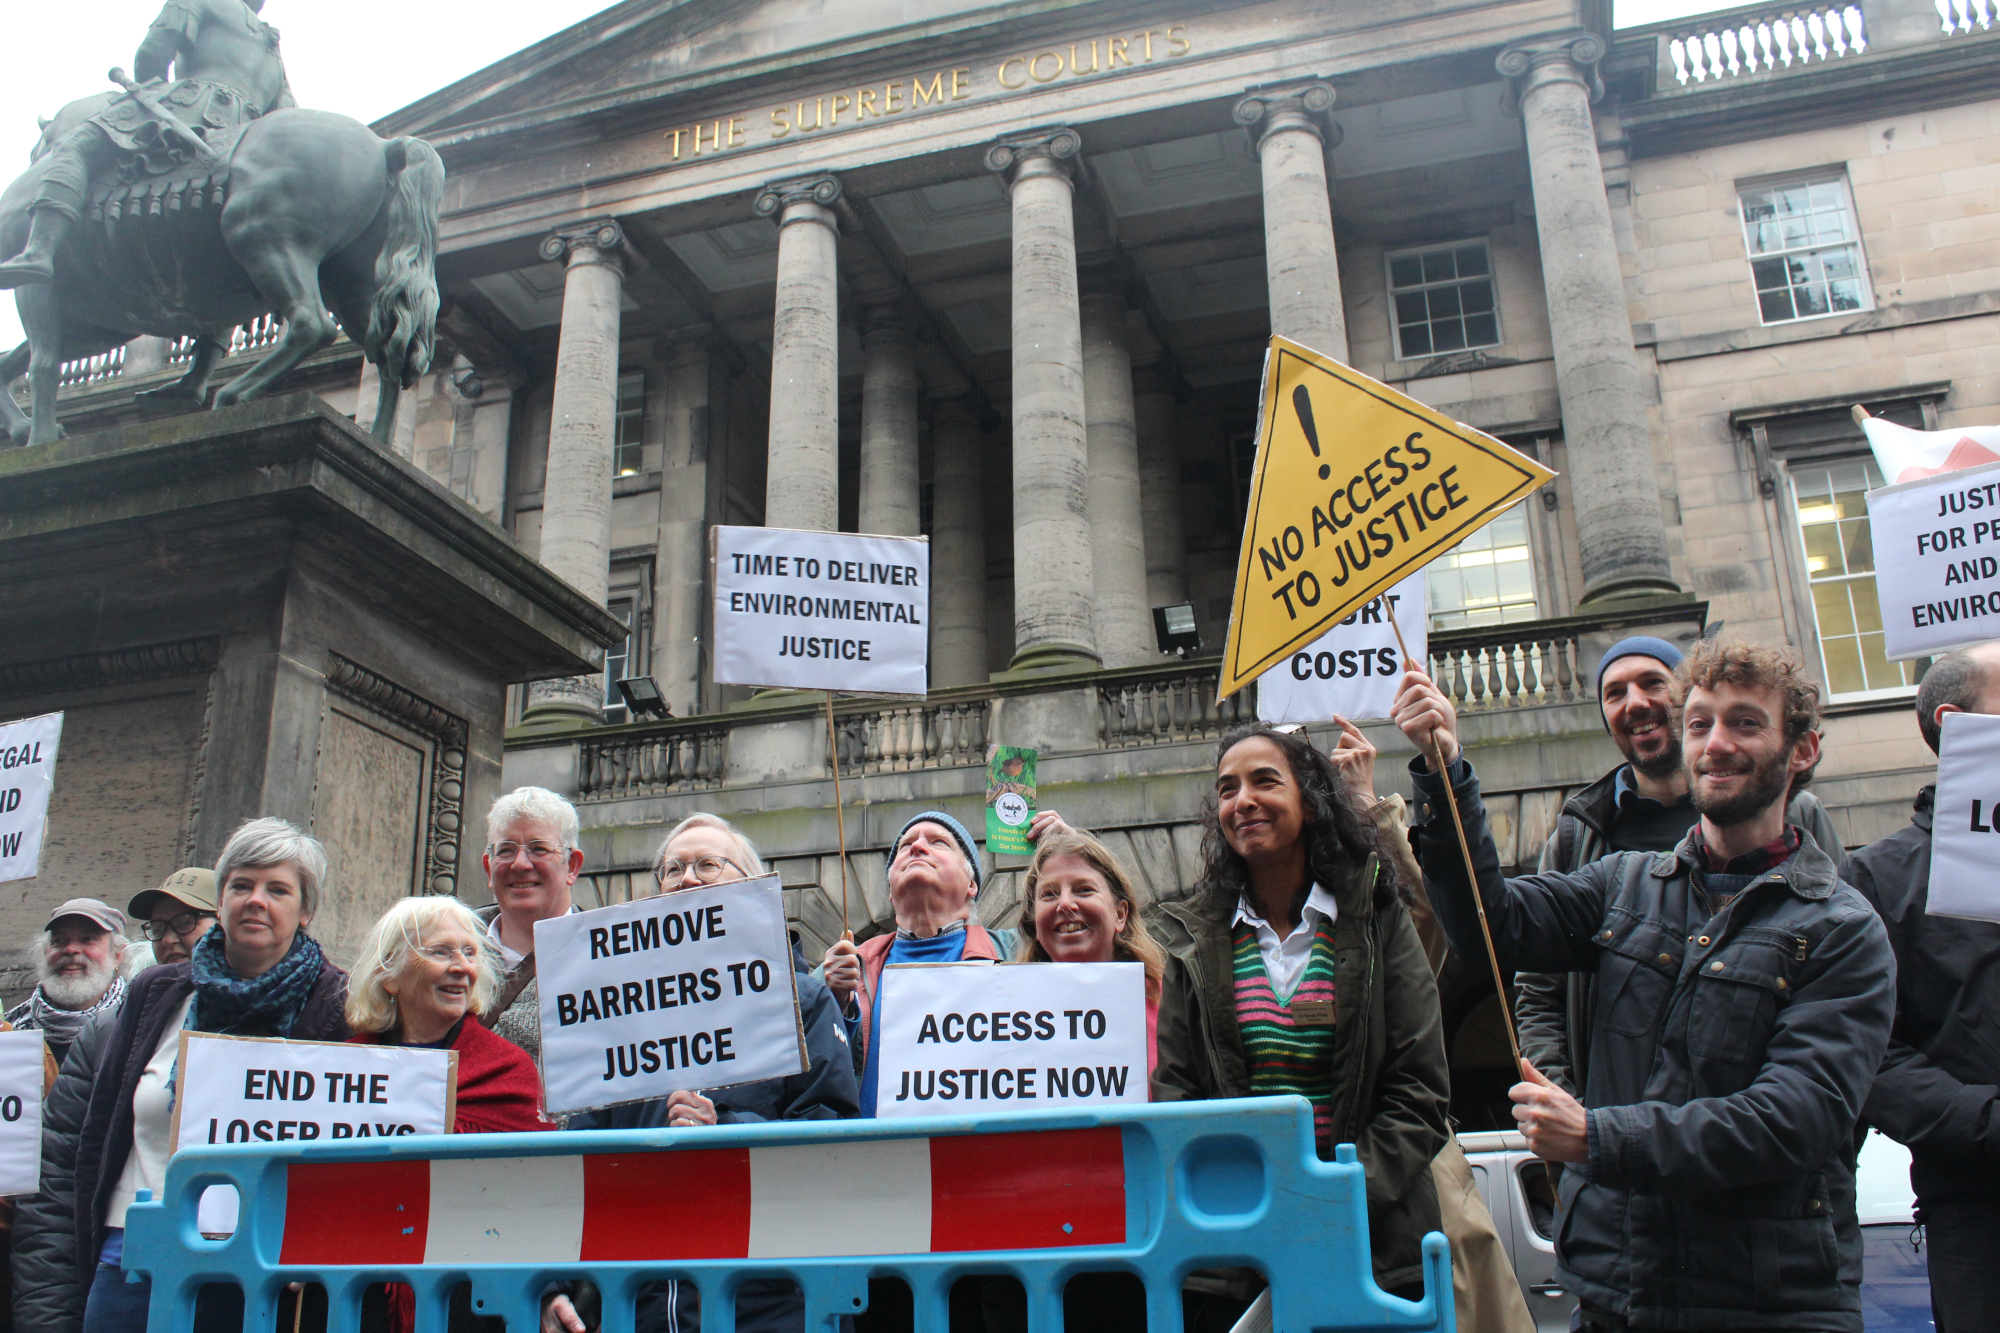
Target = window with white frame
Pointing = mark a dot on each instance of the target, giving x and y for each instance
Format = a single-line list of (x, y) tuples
[(1443, 299), (617, 664), (629, 430), (1805, 249), (1487, 579), (1830, 499)]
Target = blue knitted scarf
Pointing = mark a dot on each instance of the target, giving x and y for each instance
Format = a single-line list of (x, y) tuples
[(264, 1006)]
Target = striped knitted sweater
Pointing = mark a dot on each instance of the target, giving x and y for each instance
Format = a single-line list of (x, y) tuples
[(1284, 1056)]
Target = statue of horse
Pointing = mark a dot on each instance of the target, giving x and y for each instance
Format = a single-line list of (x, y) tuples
[(308, 214)]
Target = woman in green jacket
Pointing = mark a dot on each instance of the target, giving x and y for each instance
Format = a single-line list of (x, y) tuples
[(1293, 968)]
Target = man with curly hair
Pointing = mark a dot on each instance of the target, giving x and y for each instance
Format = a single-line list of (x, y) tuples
[(1745, 997)]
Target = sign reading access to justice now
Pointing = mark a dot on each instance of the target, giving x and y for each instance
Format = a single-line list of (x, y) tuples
[(27, 777), (1965, 823), (1356, 486), (960, 1037), (822, 610), (692, 989), (1937, 561), (1355, 668), (269, 1090), (20, 1112)]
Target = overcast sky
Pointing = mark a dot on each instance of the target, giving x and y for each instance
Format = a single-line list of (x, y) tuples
[(363, 57)]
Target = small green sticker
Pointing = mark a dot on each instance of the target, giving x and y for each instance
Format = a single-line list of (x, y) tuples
[(1010, 799)]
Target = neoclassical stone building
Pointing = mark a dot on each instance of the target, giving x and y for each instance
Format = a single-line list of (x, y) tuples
[(1002, 274)]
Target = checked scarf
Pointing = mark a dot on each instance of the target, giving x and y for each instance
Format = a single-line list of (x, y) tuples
[(265, 1006), (36, 1013)]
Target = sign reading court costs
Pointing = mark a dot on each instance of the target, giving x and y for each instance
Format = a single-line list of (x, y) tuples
[(960, 1037), (266, 1090), (822, 610), (692, 989), (1354, 669)]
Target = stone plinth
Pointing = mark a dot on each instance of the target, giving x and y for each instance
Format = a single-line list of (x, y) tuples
[(261, 612)]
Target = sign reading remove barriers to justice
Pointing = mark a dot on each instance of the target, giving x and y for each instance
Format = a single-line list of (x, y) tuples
[(27, 777), (267, 1090), (821, 610), (692, 989), (20, 1112), (1937, 561), (1356, 486), (1965, 823), (960, 1037)]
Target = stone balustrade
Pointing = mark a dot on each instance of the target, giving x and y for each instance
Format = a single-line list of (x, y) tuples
[(652, 759), (91, 369), (1754, 41), (1169, 706)]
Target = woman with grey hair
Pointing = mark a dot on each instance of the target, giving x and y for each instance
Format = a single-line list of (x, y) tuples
[(256, 974)]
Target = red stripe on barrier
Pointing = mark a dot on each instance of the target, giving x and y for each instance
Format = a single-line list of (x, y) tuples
[(693, 1204), (1037, 1190), (356, 1212)]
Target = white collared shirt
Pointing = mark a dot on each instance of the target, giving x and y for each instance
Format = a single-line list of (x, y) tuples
[(1285, 959), (508, 956)]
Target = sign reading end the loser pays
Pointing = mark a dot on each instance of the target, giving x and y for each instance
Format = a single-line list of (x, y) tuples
[(1965, 833), (960, 1037), (266, 1090), (690, 990)]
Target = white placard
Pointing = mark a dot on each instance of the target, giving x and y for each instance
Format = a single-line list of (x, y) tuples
[(267, 1090), (1965, 835), (1937, 561), (965, 1037), (692, 989), (1353, 669), (20, 1112), (822, 610), (27, 776)]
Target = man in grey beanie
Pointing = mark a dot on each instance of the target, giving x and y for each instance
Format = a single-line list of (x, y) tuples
[(1640, 806)]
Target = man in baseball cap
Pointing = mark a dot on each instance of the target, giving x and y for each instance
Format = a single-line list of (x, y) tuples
[(79, 973), (177, 913)]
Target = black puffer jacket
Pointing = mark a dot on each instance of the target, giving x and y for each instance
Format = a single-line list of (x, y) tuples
[(1729, 1059), (1939, 1089), (48, 1295)]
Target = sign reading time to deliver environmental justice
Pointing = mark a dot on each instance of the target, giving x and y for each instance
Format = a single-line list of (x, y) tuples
[(1936, 549), (1356, 487), (960, 1037), (20, 1112), (692, 989), (1354, 669), (265, 1090), (27, 776), (822, 610), (1965, 821)]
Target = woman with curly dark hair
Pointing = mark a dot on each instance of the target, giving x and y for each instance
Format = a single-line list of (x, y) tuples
[(1293, 968)]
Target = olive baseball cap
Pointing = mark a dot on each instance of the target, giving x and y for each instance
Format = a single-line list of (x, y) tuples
[(191, 885)]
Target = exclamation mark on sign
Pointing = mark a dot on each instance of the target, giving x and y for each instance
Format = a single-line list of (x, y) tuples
[(1302, 401)]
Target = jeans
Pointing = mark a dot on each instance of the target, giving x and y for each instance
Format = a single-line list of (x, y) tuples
[(1963, 1247)]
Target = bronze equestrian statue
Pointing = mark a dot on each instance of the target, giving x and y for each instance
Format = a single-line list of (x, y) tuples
[(190, 205)]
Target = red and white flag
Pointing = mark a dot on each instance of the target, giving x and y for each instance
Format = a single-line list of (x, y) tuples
[(1911, 455)]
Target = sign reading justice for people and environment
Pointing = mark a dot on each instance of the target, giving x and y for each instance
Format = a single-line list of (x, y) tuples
[(1965, 822), (27, 777), (821, 610), (267, 1090), (960, 1037), (20, 1112), (1936, 548), (1354, 669), (692, 989), (1356, 486)]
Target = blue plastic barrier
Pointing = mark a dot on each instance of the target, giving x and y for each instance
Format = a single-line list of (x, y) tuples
[(1154, 1191)]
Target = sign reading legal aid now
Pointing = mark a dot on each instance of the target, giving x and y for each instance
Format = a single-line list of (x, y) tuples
[(822, 610), (960, 1037), (692, 989)]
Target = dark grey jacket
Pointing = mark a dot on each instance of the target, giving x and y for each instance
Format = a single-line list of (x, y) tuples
[(1728, 1063), (1553, 1010), (1939, 1088), (49, 1290)]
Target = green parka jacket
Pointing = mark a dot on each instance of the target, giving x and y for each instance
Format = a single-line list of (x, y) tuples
[(1392, 1085)]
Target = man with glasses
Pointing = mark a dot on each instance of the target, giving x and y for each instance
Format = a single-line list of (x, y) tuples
[(177, 913), (531, 862)]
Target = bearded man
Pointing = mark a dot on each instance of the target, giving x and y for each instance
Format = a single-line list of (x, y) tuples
[(79, 964), (1643, 805)]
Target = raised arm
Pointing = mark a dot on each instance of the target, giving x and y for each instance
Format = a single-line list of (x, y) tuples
[(178, 22)]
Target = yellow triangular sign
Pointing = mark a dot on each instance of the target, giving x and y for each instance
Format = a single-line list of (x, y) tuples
[(1356, 486)]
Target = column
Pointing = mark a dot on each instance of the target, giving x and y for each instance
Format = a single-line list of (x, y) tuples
[(576, 492), (694, 378), (803, 485), (1120, 614), (1160, 486), (1300, 261), (889, 500), (958, 548), (1053, 628), (1613, 476)]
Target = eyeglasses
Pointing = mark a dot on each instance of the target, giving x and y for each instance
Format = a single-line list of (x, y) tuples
[(540, 851), (707, 870), (173, 925), (446, 954)]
